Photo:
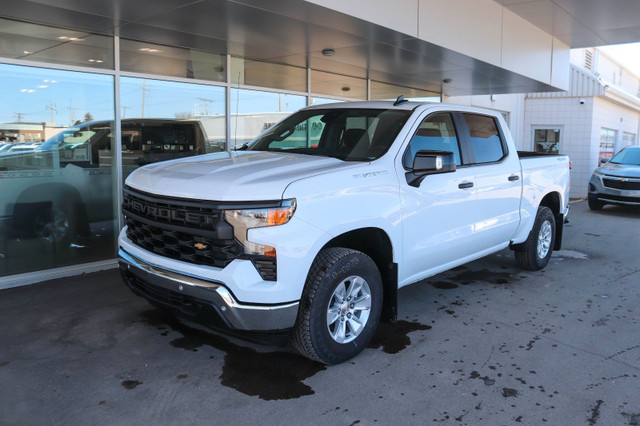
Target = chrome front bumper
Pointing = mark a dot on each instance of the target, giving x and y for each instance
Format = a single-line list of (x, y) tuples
[(186, 293)]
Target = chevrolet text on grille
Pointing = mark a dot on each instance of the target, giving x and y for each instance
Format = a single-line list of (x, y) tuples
[(164, 213)]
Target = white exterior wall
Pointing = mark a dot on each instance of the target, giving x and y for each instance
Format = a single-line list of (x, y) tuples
[(576, 134), (612, 72), (612, 116)]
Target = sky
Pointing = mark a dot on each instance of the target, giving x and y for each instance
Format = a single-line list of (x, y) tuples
[(628, 55)]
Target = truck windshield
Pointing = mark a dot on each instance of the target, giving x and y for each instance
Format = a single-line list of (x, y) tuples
[(348, 134)]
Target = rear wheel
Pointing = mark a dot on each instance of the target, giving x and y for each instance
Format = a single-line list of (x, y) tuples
[(534, 254), (340, 306)]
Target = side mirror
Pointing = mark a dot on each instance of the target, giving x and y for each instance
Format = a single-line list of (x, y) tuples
[(604, 160), (428, 162)]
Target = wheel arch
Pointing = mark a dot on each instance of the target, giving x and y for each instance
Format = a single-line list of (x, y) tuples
[(375, 243), (552, 201)]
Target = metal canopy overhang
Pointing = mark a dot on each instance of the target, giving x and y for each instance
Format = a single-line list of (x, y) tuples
[(292, 32)]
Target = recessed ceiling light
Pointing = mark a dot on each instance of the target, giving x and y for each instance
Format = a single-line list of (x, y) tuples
[(69, 38), (30, 91), (53, 81), (42, 86), (23, 90), (328, 52), (150, 50), (26, 52)]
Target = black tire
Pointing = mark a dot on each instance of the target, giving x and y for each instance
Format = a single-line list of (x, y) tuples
[(594, 203), (312, 335), (527, 254)]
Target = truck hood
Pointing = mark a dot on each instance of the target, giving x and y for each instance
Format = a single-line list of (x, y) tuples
[(621, 170), (235, 176)]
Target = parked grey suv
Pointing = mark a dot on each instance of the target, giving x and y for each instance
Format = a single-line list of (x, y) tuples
[(617, 181)]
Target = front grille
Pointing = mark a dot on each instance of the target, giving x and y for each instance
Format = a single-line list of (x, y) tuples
[(186, 230), (181, 213), (621, 184), (181, 245)]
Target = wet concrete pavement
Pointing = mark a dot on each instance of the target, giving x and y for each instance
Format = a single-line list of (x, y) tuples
[(485, 344)]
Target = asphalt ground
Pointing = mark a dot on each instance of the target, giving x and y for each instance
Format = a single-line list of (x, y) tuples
[(484, 344)]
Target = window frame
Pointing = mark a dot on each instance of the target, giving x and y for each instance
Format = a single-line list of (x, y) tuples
[(462, 149), (466, 136)]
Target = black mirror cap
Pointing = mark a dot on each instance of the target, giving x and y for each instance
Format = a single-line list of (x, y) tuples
[(434, 162), (427, 162), (604, 160)]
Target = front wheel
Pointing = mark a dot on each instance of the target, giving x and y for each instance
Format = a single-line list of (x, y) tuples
[(594, 203), (534, 254), (340, 306)]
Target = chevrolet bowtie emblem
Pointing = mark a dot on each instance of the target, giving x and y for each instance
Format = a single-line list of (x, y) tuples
[(201, 246)]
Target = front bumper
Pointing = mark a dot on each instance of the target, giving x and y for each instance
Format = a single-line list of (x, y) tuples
[(599, 192), (203, 300)]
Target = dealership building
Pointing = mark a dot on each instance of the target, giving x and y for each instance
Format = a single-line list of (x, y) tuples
[(93, 89)]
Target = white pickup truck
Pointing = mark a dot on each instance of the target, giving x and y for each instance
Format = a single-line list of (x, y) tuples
[(310, 229)]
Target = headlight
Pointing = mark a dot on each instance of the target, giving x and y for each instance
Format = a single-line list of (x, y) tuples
[(243, 220)]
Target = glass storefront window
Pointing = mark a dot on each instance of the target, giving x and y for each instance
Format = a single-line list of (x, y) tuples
[(22, 40), (253, 111), (267, 74), (57, 203), (390, 92), (164, 120), (137, 56), (326, 83), (607, 144), (547, 141)]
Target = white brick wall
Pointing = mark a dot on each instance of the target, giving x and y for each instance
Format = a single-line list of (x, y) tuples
[(575, 121)]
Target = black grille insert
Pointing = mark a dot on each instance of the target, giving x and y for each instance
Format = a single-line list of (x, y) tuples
[(186, 230), (621, 184)]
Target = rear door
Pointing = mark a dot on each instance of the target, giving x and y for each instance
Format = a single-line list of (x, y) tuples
[(498, 181)]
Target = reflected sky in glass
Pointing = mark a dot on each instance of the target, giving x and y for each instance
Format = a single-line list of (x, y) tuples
[(37, 95)]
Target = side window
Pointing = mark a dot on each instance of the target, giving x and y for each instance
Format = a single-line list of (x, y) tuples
[(436, 133), (485, 138)]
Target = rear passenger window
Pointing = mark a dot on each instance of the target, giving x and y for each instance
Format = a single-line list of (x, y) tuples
[(485, 138), (436, 133)]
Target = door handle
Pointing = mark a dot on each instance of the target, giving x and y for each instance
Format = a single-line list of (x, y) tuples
[(465, 185), (514, 178)]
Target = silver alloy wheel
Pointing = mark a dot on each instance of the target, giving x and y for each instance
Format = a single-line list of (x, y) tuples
[(52, 225), (348, 309), (544, 239)]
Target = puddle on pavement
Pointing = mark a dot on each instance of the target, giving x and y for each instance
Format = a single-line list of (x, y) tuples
[(268, 375), (130, 384), (3, 363), (569, 254), (393, 338), (444, 285), (468, 276)]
